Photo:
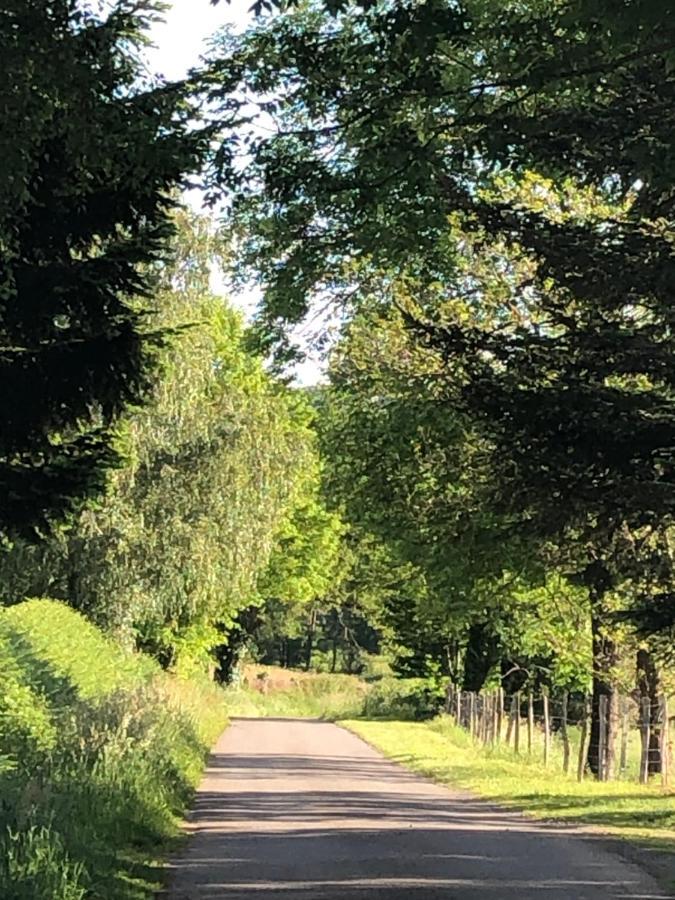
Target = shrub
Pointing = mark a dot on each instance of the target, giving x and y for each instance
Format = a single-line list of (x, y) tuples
[(403, 698), (376, 667)]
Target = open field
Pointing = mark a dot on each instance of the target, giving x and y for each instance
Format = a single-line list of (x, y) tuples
[(273, 691)]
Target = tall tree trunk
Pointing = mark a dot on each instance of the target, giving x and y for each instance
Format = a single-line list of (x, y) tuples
[(311, 628), (605, 658), (482, 653), (649, 686)]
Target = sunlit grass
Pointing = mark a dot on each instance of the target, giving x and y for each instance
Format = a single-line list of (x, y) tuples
[(448, 755)]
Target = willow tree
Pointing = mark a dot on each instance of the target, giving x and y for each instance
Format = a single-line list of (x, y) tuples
[(212, 465)]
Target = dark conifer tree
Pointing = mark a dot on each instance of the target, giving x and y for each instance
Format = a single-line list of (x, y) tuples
[(92, 154)]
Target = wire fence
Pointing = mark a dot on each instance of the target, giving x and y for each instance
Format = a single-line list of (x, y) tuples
[(622, 738)]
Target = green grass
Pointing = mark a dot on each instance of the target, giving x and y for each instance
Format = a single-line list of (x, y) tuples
[(447, 754), (99, 754)]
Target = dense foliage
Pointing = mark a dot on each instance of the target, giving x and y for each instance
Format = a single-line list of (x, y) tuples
[(213, 465), (404, 139)]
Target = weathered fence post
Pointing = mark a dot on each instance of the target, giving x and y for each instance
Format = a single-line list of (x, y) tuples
[(510, 722), (500, 713), (495, 717), (547, 729), (530, 721), (623, 757), (585, 732), (664, 743), (645, 727), (564, 734), (458, 708), (472, 714), (516, 730), (602, 738)]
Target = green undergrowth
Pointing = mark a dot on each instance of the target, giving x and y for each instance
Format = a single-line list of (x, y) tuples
[(99, 753), (447, 754)]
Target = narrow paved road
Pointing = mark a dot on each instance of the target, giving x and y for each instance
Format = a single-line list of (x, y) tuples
[(300, 810)]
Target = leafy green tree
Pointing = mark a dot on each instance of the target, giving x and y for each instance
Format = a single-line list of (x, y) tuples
[(347, 622), (412, 470), (394, 126), (302, 568), (93, 152), (305, 557), (214, 463)]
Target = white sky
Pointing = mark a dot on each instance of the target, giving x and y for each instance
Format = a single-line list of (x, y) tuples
[(179, 41), (188, 24)]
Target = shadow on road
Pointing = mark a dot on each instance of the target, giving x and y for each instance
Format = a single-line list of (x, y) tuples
[(348, 826)]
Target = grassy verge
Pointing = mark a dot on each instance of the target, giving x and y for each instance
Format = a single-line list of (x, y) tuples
[(99, 754), (440, 751)]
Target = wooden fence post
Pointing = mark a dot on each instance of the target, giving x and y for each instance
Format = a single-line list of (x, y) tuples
[(547, 729), (510, 722), (623, 757), (472, 714), (564, 734), (516, 730), (602, 738), (585, 731), (530, 721), (645, 715), (458, 708), (664, 743), (500, 713), (495, 718)]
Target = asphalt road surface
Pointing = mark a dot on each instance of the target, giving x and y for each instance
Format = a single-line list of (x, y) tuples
[(302, 810)]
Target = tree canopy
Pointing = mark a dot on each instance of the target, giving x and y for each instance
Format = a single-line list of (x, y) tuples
[(402, 140), (214, 464)]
